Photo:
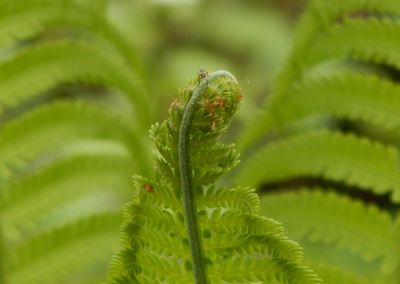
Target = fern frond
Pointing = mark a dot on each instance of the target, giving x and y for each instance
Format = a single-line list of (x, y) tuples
[(39, 69), (332, 155), (58, 159), (36, 196), (26, 20), (322, 15), (234, 243), (347, 241), (328, 12), (242, 199), (325, 32), (248, 271), (60, 255), (351, 96), (339, 223), (369, 40), (18, 147), (333, 275)]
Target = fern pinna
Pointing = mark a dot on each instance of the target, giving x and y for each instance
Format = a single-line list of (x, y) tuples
[(70, 87), (217, 235), (331, 129)]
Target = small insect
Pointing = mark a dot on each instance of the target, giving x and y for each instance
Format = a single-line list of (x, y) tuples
[(201, 75), (148, 187)]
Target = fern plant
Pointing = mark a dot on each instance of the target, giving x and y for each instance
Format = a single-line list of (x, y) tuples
[(329, 131), (65, 151), (181, 226), (341, 72)]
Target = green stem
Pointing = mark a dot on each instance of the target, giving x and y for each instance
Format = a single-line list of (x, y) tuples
[(189, 203)]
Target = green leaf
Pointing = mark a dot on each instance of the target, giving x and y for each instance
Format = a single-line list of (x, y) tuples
[(369, 40), (332, 155), (28, 204), (330, 225), (36, 70), (61, 255), (19, 147)]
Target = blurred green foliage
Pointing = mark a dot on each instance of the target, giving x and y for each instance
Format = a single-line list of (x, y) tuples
[(82, 81), (176, 39)]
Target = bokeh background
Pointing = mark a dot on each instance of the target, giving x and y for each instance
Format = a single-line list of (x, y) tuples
[(81, 82), (177, 38)]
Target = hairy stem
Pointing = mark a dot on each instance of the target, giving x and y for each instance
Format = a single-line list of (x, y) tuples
[(189, 202)]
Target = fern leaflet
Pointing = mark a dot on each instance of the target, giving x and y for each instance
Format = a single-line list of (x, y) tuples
[(17, 146), (59, 250), (332, 155), (31, 202), (369, 40), (342, 226), (53, 153), (324, 33), (67, 62)]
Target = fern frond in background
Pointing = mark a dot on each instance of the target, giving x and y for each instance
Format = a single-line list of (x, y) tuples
[(335, 156), (73, 116), (57, 250), (363, 236), (236, 244), (332, 121)]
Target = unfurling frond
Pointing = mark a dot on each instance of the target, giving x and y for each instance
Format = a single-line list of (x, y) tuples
[(235, 244)]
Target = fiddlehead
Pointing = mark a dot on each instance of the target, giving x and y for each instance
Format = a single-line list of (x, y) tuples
[(189, 203), (217, 235)]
